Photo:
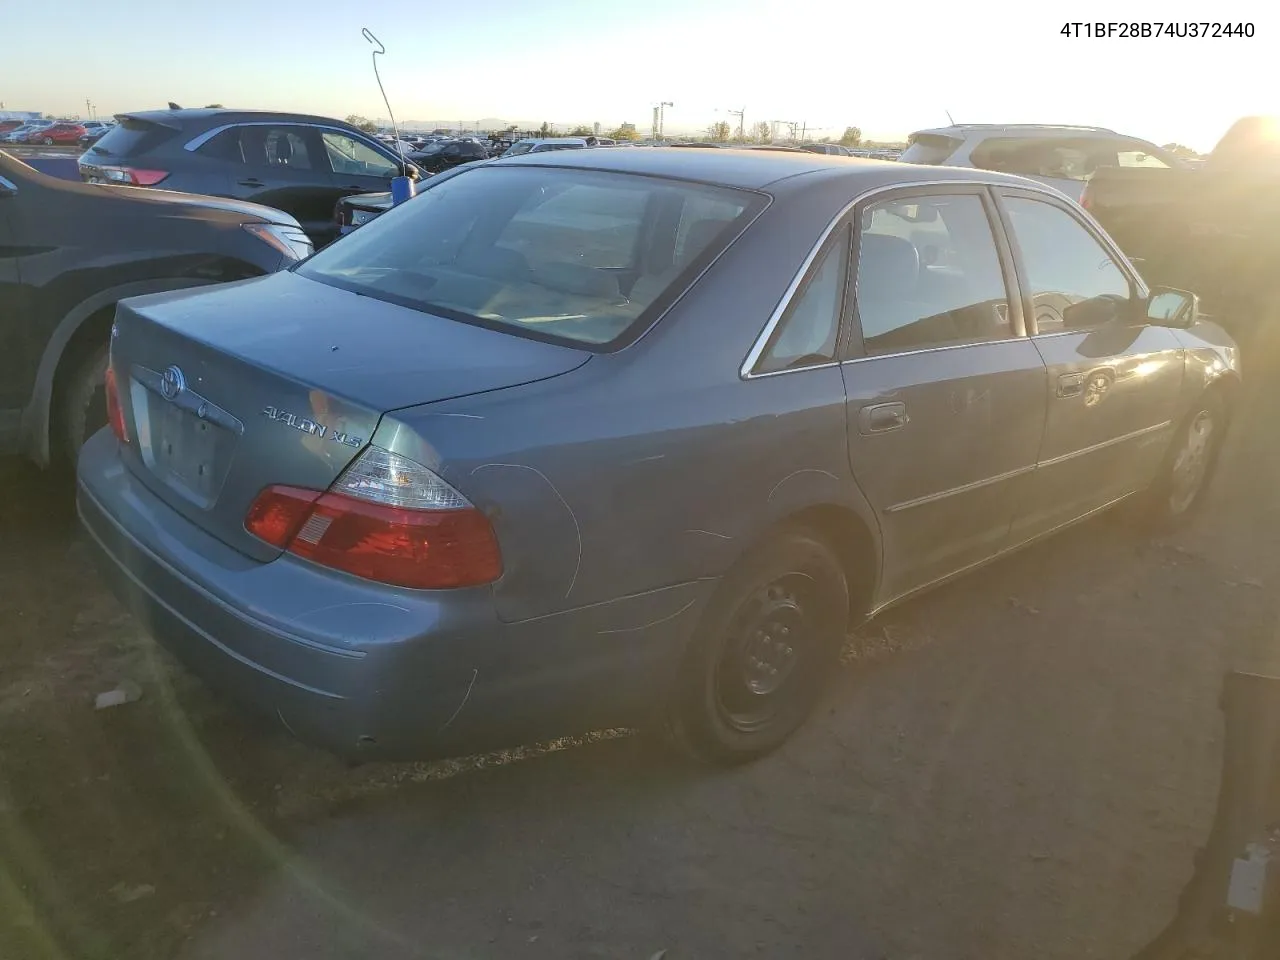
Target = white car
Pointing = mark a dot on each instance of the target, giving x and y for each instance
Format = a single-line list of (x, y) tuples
[(1064, 157)]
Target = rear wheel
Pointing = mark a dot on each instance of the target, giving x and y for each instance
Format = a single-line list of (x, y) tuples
[(48, 141), (83, 410), (766, 644)]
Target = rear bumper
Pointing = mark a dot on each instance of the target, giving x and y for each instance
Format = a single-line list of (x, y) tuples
[(364, 670)]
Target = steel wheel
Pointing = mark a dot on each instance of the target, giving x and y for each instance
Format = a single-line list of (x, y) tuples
[(1191, 462), (770, 634), (769, 638)]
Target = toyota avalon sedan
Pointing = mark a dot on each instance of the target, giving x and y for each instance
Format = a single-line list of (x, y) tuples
[(626, 437)]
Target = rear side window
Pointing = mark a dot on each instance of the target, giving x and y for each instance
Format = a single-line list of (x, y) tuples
[(1140, 158), (262, 146), (130, 138), (807, 333), (1050, 157), (560, 254), (929, 275), (928, 148)]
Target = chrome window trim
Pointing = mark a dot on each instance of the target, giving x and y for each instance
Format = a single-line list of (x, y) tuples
[(939, 349), (963, 488), (200, 140), (747, 370)]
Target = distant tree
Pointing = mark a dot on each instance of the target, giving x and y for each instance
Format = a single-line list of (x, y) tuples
[(762, 132), (625, 132), (1180, 150), (719, 131), (214, 106), (362, 123), (545, 129), (580, 131), (852, 136)]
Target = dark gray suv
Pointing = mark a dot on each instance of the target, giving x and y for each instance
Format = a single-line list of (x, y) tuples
[(294, 162)]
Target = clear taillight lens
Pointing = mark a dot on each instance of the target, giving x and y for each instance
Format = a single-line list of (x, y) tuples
[(386, 518)]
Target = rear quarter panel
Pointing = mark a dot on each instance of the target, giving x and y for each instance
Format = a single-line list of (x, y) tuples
[(657, 465)]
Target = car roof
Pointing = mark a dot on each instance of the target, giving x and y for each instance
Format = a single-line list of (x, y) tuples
[(754, 169), (961, 130), (209, 115)]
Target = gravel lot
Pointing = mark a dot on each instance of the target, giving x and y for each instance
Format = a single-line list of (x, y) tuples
[(1020, 765)]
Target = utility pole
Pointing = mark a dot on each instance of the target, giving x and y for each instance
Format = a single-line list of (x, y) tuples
[(741, 115)]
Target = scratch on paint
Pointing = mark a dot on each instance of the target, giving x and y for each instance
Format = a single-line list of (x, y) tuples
[(797, 473), (572, 516), (475, 672), (653, 624), (709, 533), (467, 416), (657, 456)]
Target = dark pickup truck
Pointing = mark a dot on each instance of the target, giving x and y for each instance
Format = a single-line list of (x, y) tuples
[(1213, 228)]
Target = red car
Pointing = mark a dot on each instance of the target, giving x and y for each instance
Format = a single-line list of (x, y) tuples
[(65, 132), (7, 125)]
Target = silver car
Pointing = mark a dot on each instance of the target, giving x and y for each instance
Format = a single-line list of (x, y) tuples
[(633, 436), (1056, 155)]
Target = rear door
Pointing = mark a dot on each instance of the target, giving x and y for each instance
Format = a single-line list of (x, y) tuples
[(1113, 379), (945, 393), (283, 166), (17, 324)]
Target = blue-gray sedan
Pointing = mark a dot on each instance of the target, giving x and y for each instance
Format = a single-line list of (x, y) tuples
[(602, 438)]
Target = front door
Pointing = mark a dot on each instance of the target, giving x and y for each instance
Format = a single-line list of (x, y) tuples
[(945, 393), (1113, 379), (356, 166), (17, 326)]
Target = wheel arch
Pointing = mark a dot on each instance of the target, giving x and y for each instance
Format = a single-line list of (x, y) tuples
[(79, 327)]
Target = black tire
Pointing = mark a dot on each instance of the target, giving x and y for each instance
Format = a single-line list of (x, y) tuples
[(48, 141), (1188, 466), (83, 408), (769, 639)]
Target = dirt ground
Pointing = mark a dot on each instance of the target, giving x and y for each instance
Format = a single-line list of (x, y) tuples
[(1021, 765)]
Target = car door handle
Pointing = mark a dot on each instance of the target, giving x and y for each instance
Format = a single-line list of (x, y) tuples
[(882, 417), (1070, 385), (251, 182)]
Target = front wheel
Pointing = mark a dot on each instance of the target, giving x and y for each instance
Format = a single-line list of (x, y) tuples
[(770, 638), (84, 403), (1189, 464)]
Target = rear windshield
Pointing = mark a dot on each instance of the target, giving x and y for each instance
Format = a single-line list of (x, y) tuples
[(928, 148), (568, 255), (131, 137)]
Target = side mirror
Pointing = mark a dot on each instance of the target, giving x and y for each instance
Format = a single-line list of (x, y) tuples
[(1167, 307)]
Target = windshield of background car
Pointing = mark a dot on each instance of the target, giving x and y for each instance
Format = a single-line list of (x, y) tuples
[(928, 148), (559, 254), (518, 148)]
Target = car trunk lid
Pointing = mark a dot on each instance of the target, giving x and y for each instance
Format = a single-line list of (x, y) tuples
[(282, 380)]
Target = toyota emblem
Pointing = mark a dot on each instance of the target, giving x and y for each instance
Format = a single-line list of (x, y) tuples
[(172, 383)]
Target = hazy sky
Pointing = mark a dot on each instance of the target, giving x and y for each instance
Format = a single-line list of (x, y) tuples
[(889, 68)]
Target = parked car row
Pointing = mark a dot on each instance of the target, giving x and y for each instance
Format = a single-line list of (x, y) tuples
[(796, 389), (52, 132)]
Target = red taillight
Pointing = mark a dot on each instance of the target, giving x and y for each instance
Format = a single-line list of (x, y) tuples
[(115, 413), (278, 512), (424, 548), (132, 176)]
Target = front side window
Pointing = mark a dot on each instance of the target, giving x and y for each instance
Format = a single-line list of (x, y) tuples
[(355, 157), (807, 333), (929, 275), (1065, 266), (564, 254)]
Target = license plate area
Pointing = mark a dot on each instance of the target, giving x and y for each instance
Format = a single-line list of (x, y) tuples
[(185, 442)]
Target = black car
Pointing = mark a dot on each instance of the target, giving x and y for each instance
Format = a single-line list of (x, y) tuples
[(296, 163), (68, 253), (435, 157)]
